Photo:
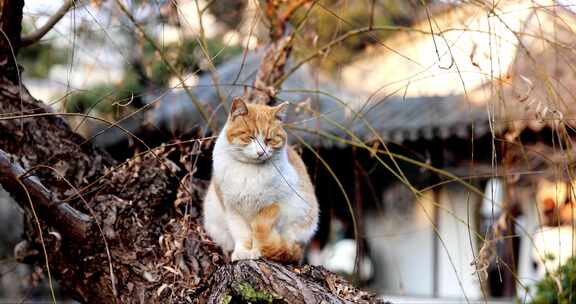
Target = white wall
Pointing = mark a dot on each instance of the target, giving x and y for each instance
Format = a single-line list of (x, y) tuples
[(401, 248), (456, 278)]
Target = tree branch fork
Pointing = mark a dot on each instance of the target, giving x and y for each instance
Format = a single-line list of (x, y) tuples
[(35, 36)]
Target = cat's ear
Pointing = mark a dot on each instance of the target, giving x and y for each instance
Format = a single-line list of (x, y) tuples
[(238, 108), (280, 110)]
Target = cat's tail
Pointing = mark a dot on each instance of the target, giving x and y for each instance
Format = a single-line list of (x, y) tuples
[(271, 244)]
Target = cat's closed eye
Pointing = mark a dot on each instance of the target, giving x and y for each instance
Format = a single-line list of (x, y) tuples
[(275, 141), (243, 137)]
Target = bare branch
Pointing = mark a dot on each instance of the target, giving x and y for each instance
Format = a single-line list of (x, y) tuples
[(270, 71), (199, 107), (272, 67), (67, 220), (40, 32)]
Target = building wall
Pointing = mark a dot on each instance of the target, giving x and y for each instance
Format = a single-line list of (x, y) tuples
[(402, 248), (455, 277)]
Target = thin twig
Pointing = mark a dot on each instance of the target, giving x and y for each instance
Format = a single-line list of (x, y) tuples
[(205, 51), (170, 66), (327, 46), (372, 5)]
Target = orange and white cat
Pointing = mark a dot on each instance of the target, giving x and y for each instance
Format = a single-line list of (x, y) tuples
[(260, 201)]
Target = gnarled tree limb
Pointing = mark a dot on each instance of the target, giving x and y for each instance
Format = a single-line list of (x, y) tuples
[(250, 281), (69, 221), (271, 69)]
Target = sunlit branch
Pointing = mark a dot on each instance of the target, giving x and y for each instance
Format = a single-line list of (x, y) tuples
[(35, 36)]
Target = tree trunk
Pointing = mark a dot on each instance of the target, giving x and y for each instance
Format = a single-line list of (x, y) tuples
[(124, 232)]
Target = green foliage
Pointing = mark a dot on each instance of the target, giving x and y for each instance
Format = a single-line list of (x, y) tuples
[(38, 58), (222, 52), (97, 98), (187, 57), (106, 98), (334, 18), (547, 290), (227, 299)]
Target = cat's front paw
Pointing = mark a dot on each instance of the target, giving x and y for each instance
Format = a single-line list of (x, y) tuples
[(245, 254), (255, 254)]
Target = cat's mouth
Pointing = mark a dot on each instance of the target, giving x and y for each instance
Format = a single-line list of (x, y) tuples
[(259, 159), (254, 159), (264, 156)]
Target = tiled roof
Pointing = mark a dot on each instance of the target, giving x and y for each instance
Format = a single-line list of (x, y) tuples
[(535, 88), (394, 118)]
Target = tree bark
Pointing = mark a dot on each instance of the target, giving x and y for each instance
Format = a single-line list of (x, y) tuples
[(125, 232), (11, 26)]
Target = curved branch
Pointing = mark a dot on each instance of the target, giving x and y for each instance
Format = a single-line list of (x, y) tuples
[(67, 220), (40, 32)]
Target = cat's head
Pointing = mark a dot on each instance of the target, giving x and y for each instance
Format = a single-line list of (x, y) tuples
[(255, 132)]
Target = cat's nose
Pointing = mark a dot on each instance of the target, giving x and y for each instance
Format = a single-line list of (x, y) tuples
[(261, 153)]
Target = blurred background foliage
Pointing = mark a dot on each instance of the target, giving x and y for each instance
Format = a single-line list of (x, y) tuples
[(145, 69), (37, 59), (330, 19), (558, 287), (186, 58)]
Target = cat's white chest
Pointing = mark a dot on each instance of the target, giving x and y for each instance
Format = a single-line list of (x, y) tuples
[(249, 187)]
